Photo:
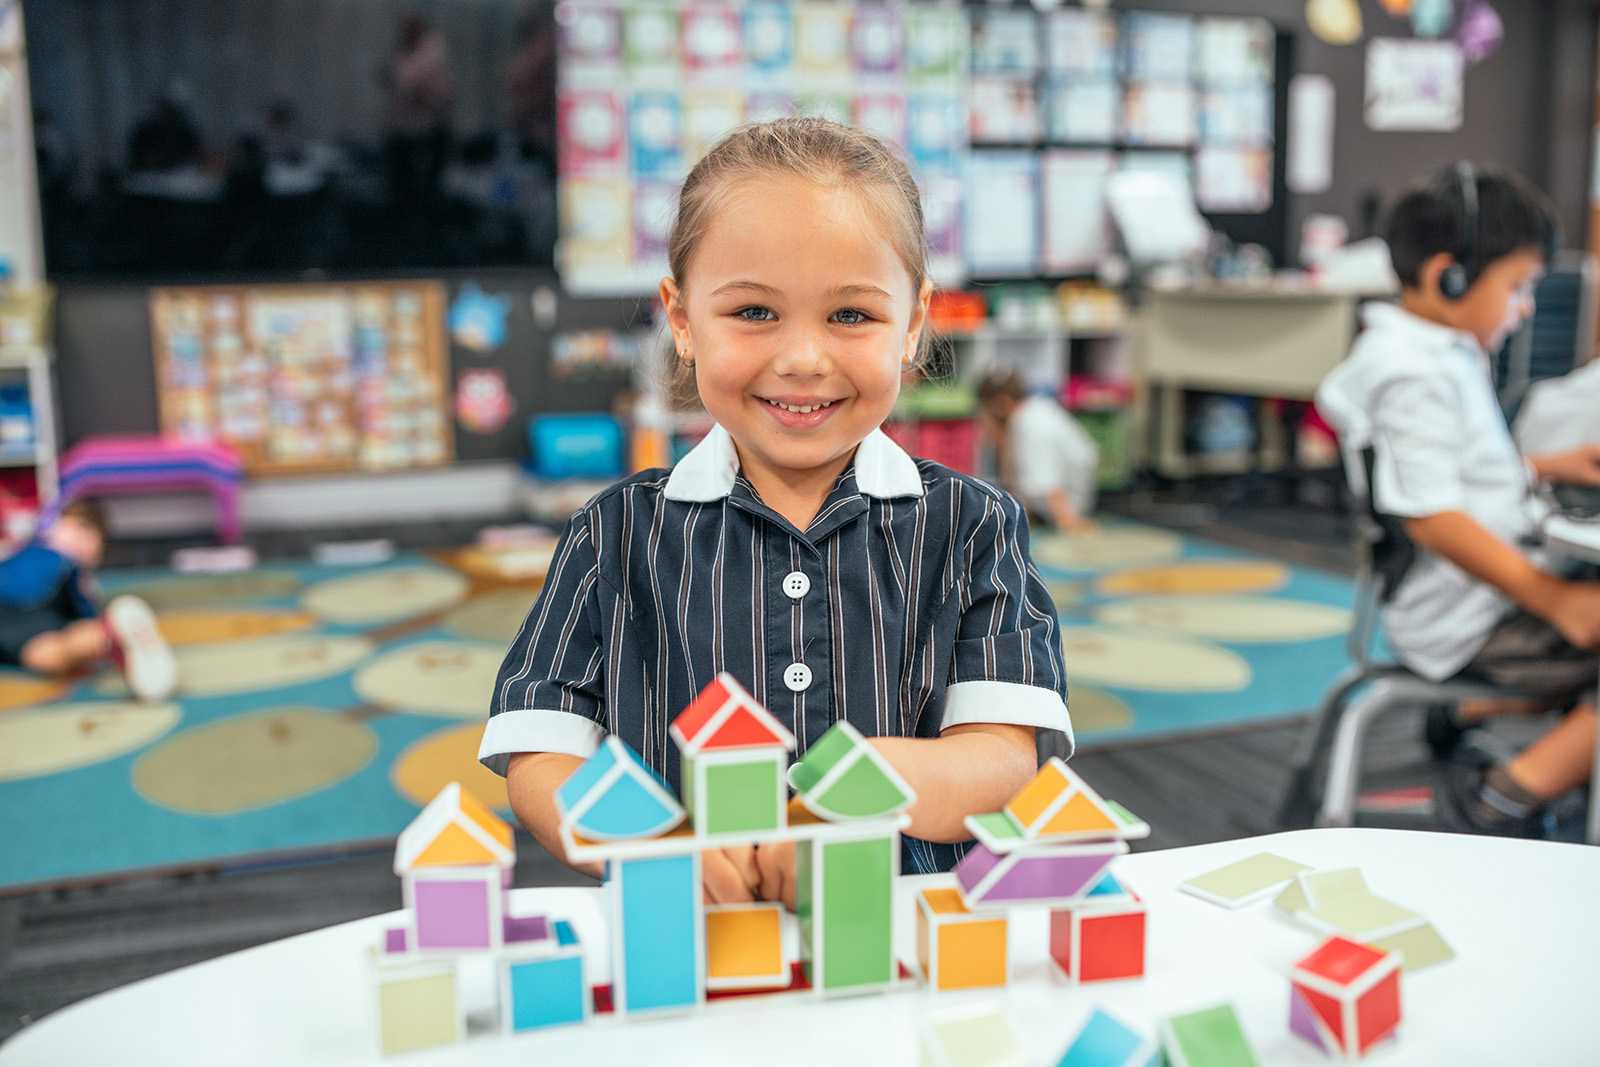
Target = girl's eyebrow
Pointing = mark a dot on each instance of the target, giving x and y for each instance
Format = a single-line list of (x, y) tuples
[(843, 290)]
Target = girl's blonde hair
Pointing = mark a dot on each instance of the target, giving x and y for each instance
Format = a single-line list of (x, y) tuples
[(823, 151)]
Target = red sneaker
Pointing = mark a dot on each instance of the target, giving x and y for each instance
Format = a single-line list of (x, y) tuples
[(148, 663)]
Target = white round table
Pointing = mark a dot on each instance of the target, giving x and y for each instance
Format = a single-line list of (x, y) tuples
[(1520, 915)]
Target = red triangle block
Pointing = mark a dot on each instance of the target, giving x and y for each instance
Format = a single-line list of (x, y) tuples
[(742, 730), (692, 719)]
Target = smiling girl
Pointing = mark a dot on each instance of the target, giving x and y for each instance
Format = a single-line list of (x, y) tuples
[(796, 547)]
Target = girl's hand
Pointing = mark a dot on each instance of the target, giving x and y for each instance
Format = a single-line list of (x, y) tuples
[(729, 875), (775, 863)]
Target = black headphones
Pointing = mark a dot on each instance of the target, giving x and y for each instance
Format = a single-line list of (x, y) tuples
[(1457, 278)]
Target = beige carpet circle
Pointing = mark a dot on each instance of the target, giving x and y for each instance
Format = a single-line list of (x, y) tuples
[(1095, 709), (1244, 619), (199, 627), (65, 737), (252, 761), (18, 690), (450, 755), (266, 662), (1106, 548), (1164, 663), (433, 678), (1067, 594), (206, 590), (386, 595), (493, 617), (1201, 578)]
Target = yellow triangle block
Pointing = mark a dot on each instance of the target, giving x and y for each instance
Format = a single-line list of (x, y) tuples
[(488, 821), (1035, 798), (454, 847), (1079, 813)]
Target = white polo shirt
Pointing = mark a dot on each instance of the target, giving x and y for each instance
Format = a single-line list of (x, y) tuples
[(1422, 396), (1050, 451)]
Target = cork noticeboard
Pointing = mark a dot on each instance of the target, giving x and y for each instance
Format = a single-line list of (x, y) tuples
[(307, 378)]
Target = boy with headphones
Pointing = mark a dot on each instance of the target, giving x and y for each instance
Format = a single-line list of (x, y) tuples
[(1481, 598)]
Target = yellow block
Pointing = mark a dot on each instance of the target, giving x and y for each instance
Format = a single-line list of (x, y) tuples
[(972, 955), (1078, 813), (454, 848), (488, 821), (1032, 800), (945, 901), (744, 942)]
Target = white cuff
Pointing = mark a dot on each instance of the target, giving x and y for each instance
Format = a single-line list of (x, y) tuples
[(1006, 702), (537, 730)]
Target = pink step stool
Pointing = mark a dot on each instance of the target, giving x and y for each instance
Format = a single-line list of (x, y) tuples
[(102, 466)]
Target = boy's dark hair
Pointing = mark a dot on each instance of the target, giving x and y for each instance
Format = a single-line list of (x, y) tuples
[(1511, 215), (1001, 383), (87, 512)]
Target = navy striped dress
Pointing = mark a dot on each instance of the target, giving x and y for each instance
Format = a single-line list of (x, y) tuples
[(909, 605)]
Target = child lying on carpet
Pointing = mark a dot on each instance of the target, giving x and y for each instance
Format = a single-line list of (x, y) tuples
[(48, 620)]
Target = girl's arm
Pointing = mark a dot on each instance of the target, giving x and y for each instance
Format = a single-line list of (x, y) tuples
[(532, 779), (966, 770)]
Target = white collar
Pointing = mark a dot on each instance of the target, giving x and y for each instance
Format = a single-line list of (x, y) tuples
[(707, 473), (1393, 316)]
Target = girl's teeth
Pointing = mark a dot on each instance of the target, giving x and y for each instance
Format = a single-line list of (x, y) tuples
[(803, 409)]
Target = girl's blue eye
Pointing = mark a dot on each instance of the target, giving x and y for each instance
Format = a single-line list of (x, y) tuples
[(850, 316), (755, 314)]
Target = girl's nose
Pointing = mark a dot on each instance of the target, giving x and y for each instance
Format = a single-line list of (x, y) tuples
[(805, 355)]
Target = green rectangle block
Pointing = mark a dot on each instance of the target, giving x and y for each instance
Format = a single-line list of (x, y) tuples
[(741, 797), (686, 778), (857, 909), (805, 903)]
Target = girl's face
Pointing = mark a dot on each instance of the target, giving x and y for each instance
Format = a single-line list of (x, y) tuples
[(798, 317)]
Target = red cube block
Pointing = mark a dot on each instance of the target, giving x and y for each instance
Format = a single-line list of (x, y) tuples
[(1345, 997), (1099, 941)]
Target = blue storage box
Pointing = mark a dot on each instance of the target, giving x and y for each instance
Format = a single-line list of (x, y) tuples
[(576, 446)]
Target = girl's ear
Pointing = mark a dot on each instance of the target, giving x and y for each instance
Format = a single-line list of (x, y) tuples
[(677, 316), (919, 319)]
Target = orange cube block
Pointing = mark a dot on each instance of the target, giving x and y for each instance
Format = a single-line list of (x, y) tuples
[(958, 948)]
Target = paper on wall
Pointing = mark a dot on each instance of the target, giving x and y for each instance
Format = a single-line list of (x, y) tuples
[(1414, 85), (1311, 110)]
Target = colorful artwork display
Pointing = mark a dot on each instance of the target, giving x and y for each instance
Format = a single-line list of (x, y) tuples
[(307, 378), (647, 88)]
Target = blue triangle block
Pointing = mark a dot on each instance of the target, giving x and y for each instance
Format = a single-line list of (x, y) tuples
[(627, 809), (587, 776)]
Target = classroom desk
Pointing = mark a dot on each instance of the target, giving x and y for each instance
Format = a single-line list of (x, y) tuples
[(1521, 990), (1270, 341), (1581, 540)]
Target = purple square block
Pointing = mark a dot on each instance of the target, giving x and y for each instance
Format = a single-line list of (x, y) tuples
[(452, 914), (395, 940), (523, 928)]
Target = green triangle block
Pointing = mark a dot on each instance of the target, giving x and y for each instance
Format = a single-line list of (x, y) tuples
[(861, 792), (831, 747), (998, 826), (1211, 1037)]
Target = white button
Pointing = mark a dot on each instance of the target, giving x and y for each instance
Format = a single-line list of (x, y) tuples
[(796, 584), (797, 676)]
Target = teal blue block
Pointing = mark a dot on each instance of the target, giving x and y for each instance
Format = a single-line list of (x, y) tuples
[(548, 992), (586, 777), (1105, 1042), (635, 803), (627, 809), (661, 939)]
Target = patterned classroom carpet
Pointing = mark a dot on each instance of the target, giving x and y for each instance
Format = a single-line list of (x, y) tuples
[(322, 706)]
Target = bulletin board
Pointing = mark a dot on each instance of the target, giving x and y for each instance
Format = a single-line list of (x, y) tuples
[(307, 378), (648, 86)]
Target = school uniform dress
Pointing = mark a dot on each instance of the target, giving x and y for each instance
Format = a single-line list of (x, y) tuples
[(1421, 395), (909, 606)]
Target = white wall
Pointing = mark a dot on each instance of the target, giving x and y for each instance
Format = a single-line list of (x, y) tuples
[(19, 197)]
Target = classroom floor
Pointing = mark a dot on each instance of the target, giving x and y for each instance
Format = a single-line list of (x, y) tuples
[(59, 947)]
